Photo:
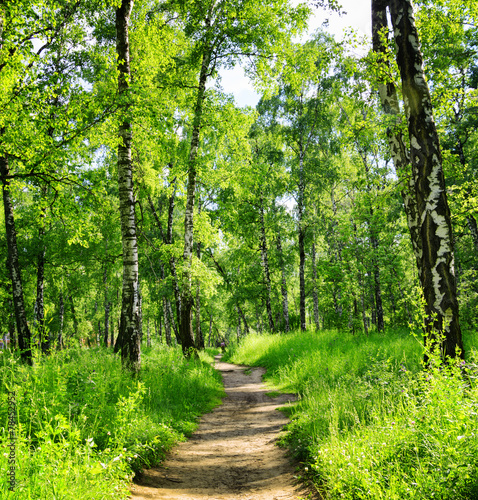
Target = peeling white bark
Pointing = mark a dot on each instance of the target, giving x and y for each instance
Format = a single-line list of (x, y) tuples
[(436, 262), (129, 341)]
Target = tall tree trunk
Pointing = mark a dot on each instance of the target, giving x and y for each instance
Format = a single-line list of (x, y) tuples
[(314, 288), (238, 332), (377, 288), (436, 258), (398, 148), (473, 227), (265, 265), (167, 324), (186, 328), (172, 261), (128, 341), (285, 301), (372, 230), (158, 328), (39, 313), (301, 235), (209, 339), (199, 340), (59, 344), (107, 306), (148, 334), (23, 331)]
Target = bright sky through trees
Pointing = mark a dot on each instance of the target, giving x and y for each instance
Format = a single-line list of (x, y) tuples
[(357, 16)]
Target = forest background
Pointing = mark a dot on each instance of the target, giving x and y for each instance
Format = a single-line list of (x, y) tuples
[(141, 202)]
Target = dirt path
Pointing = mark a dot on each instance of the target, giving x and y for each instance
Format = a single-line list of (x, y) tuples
[(233, 454)]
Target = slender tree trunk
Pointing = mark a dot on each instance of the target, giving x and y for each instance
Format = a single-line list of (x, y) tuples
[(199, 341), (209, 340), (112, 334), (436, 258), (186, 328), (244, 320), (107, 306), (39, 313), (172, 262), (128, 342), (167, 325), (158, 326), (285, 301), (314, 288), (473, 227), (59, 344), (238, 332), (265, 265), (377, 288), (373, 234), (23, 331), (148, 334), (301, 231)]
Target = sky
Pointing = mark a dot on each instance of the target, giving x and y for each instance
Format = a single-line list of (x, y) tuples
[(358, 16)]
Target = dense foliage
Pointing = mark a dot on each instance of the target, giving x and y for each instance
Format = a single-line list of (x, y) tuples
[(85, 427), (292, 215)]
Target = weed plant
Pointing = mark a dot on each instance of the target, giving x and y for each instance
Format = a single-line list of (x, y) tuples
[(371, 423), (84, 427)]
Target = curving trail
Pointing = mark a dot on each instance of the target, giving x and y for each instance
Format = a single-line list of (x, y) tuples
[(232, 455)]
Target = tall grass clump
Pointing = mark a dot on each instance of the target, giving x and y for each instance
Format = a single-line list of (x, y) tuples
[(371, 422), (84, 427)]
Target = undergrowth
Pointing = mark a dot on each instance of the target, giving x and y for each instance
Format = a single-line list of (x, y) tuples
[(371, 423), (84, 427)]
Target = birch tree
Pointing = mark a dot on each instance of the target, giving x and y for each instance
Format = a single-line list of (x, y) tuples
[(129, 341), (433, 221)]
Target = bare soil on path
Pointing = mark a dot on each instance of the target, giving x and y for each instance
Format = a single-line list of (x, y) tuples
[(233, 454)]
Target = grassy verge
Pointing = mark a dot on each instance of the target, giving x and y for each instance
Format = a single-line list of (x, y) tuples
[(370, 423), (83, 427)]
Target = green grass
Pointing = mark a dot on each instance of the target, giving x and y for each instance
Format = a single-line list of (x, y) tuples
[(84, 427), (370, 423)]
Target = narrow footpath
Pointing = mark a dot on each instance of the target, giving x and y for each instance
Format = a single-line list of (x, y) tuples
[(233, 454)]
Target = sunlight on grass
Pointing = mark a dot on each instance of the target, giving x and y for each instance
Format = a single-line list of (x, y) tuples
[(84, 427), (370, 423)]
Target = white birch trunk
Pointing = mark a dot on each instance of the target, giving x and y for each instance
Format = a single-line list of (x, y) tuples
[(129, 336)]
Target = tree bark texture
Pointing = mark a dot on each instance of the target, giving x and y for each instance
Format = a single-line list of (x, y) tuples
[(436, 254), (39, 313), (244, 320), (314, 289), (186, 328), (107, 306), (23, 330), (128, 341), (377, 287), (285, 300), (199, 339), (301, 237), (265, 266), (398, 148), (59, 344)]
